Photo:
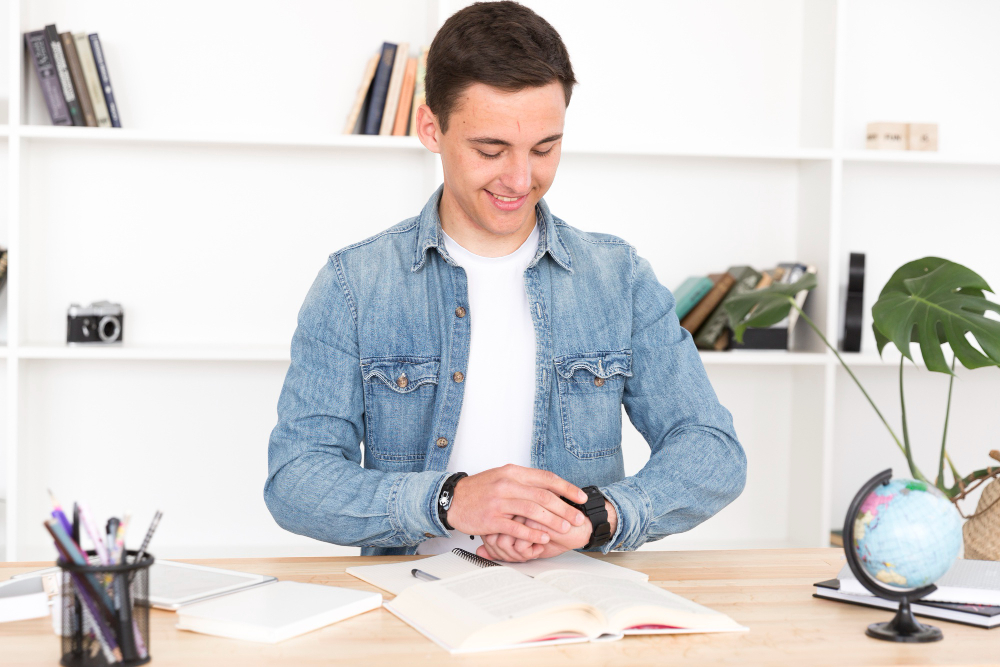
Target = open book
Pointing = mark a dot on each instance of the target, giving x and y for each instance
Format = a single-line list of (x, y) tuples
[(498, 608)]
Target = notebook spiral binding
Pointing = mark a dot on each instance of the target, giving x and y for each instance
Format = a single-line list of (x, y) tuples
[(473, 558)]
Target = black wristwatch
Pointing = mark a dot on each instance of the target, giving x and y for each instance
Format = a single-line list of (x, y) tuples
[(446, 496), (595, 510)]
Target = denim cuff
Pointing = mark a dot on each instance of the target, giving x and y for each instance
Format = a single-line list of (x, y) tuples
[(634, 509), (413, 506)]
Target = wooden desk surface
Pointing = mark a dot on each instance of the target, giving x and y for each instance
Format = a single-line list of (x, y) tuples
[(770, 591)]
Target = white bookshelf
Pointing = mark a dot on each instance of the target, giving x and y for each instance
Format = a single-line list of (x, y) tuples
[(208, 215)]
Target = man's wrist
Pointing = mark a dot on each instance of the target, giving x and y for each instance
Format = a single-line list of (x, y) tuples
[(612, 516)]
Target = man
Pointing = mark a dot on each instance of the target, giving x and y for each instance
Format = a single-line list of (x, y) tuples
[(482, 350)]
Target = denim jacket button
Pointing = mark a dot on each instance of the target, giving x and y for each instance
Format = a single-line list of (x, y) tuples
[(458, 376), (442, 442), (402, 381), (428, 534), (598, 382), (460, 312)]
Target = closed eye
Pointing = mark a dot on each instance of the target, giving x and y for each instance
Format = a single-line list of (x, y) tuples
[(488, 156)]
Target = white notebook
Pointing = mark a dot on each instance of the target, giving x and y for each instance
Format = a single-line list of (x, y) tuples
[(966, 582), (397, 577), (275, 612)]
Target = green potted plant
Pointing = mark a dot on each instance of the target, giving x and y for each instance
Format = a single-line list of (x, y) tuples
[(932, 302)]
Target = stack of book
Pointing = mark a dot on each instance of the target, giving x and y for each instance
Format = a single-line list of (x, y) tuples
[(701, 307), (73, 75), (391, 90)]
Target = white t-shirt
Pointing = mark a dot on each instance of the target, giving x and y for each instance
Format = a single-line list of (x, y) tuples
[(494, 426)]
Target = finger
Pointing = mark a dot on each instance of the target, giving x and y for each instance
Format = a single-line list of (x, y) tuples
[(520, 531), (536, 512), (557, 506), (491, 539), (534, 524), (549, 480), (505, 545), (525, 549), (484, 552)]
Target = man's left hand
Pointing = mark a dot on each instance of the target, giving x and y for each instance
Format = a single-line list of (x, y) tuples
[(506, 548)]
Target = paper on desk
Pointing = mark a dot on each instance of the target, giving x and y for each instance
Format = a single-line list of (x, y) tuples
[(397, 577), (966, 582)]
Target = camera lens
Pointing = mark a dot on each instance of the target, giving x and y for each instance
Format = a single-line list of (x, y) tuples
[(109, 329)]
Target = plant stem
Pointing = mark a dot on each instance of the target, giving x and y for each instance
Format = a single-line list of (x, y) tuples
[(853, 377), (955, 475), (906, 431), (944, 435), (958, 487)]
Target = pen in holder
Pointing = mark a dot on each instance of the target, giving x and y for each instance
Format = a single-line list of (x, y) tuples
[(105, 612)]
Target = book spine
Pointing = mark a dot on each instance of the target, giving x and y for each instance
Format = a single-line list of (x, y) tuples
[(93, 80), (102, 71), (48, 79), (700, 313), (405, 99), (79, 82), (746, 280), (395, 84), (62, 69), (361, 99), (380, 88), (689, 298), (854, 306), (419, 96)]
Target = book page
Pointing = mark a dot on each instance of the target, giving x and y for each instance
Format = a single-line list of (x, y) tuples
[(629, 603), (397, 577)]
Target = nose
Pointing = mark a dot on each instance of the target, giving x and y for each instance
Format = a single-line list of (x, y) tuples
[(517, 174)]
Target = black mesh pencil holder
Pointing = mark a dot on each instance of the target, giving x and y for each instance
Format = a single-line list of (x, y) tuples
[(105, 612)]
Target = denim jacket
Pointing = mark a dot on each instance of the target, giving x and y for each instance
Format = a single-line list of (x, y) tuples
[(368, 412)]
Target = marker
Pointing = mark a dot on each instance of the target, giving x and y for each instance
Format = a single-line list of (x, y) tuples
[(423, 576)]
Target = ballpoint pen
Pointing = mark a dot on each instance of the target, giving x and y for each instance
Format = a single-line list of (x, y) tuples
[(423, 576)]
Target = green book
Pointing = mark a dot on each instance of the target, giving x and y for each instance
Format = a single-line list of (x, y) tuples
[(690, 293), (746, 281)]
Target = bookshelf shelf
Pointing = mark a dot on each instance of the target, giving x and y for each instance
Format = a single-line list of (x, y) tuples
[(919, 157), (57, 351)]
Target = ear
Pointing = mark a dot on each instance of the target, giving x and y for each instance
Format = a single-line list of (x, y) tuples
[(427, 128)]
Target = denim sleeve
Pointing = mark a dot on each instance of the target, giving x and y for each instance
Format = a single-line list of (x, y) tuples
[(315, 484), (696, 465)]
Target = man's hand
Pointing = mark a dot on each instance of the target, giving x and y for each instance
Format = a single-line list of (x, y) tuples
[(511, 550), (486, 504)]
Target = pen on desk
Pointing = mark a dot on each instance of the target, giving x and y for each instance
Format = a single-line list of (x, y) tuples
[(149, 535), (423, 576)]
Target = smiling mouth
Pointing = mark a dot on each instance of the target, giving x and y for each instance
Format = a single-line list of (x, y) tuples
[(508, 199)]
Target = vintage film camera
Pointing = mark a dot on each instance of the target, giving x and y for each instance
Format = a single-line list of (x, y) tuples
[(100, 322)]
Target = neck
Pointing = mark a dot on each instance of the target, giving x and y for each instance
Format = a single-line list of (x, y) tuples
[(473, 237)]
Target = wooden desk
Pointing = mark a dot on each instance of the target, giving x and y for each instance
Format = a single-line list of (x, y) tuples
[(768, 591)]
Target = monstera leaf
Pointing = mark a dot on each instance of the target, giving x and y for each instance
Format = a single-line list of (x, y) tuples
[(933, 301), (772, 305)]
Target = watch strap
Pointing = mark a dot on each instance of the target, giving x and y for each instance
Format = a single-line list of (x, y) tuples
[(446, 496), (597, 512)]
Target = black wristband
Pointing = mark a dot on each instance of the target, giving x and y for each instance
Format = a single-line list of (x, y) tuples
[(595, 510), (446, 496)]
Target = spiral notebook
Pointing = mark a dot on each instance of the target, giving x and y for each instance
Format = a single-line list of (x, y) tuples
[(397, 577)]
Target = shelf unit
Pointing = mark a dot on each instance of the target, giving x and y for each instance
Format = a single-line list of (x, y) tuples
[(791, 166)]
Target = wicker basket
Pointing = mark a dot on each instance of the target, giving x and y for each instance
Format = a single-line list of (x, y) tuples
[(982, 530)]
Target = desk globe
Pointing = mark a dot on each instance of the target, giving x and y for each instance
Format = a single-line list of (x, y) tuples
[(900, 536)]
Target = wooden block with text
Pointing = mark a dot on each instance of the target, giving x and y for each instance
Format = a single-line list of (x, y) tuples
[(922, 137), (882, 136)]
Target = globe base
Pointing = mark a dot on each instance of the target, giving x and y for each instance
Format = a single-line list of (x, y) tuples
[(904, 628)]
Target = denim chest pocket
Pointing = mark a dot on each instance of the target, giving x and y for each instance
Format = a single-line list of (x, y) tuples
[(399, 407), (590, 396)]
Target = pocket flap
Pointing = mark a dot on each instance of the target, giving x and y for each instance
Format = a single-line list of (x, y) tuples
[(401, 374), (600, 364)]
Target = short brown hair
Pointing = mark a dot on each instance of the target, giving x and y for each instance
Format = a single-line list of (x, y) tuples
[(500, 44)]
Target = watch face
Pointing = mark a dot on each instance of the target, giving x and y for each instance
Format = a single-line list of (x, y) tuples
[(445, 500)]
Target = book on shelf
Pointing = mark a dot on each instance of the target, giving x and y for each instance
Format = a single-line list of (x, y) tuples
[(359, 110), (419, 94), (499, 608), (395, 85), (92, 79), (745, 280), (778, 336), (79, 81), (48, 79), (401, 125), (690, 293), (380, 88), (721, 284), (62, 70), (105, 77)]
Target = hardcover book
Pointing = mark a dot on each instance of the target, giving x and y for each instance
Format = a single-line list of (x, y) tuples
[(722, 284), (392, 94), (405, 99), (499, 608), (48, 79), (356, 117), (778, 336), (92, 79), (79, 82), (62, 70), (102, 71), (690, 293), (419, 96), (745, 280), (380, 89)]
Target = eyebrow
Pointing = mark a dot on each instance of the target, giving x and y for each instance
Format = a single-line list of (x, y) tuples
[(492, 141)]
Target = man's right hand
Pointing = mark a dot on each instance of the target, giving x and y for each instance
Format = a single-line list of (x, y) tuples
[(487, 502)]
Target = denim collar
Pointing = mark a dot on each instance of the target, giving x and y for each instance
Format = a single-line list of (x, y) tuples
[(429, 235)]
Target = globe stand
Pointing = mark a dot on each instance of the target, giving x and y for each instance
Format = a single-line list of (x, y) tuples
[(903, 627)]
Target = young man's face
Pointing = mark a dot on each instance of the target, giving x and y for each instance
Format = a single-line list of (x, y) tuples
[(499, 156)]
